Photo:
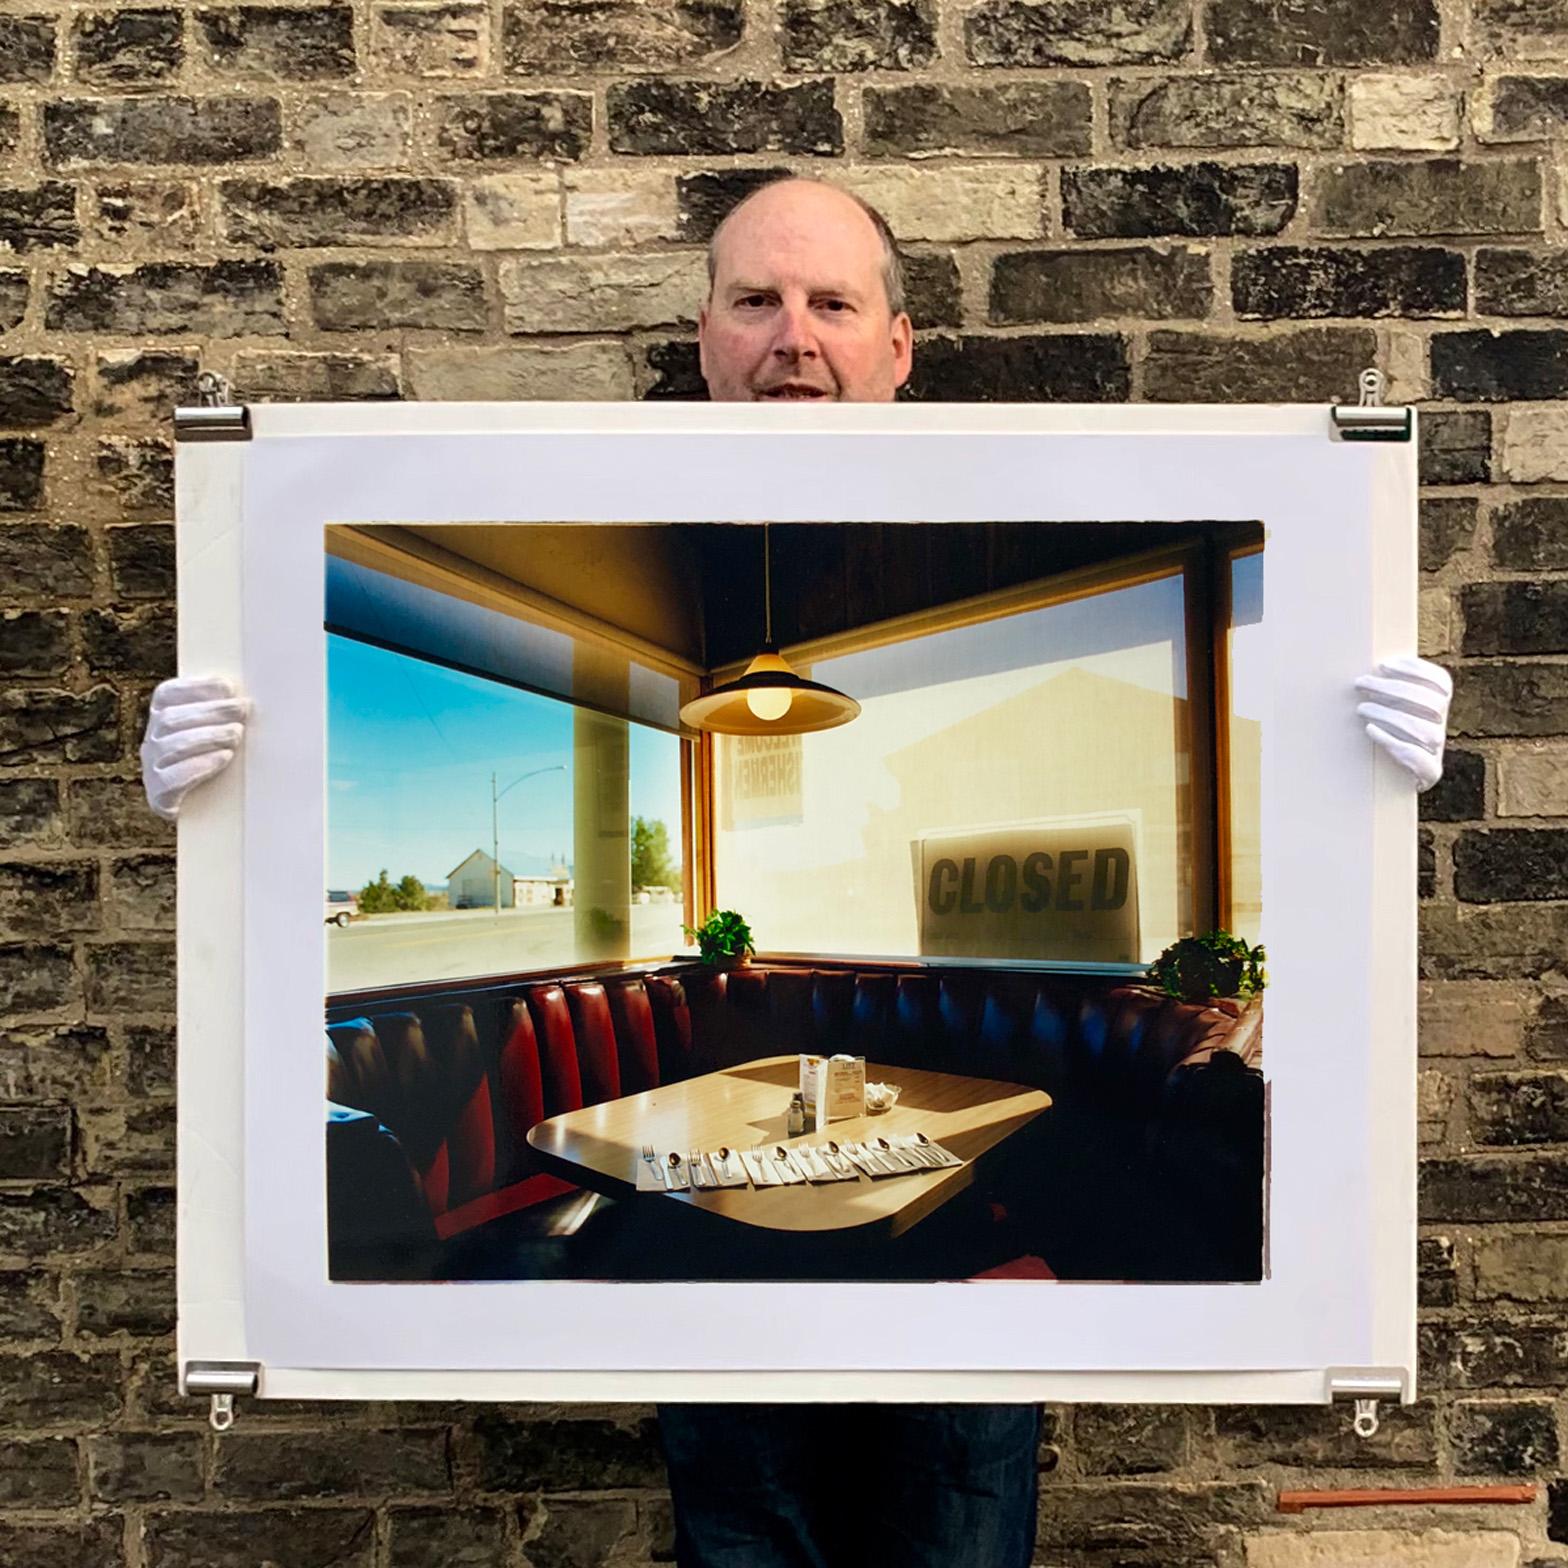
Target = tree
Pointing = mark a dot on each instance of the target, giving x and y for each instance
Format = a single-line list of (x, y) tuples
[(652, 863), (382, 897), (411, 893)]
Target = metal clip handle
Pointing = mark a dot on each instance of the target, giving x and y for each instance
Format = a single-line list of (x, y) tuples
[(222, 1413), (1365, 1423)]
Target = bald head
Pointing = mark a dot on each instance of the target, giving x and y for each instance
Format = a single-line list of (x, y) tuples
[(805, 300)]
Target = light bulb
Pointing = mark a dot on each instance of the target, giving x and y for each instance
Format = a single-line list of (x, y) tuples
[(769, 703)]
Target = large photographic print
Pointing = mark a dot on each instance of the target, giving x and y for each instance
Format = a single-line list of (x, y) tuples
[(1000, 1015)]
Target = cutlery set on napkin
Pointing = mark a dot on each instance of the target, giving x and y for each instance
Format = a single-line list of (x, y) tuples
[(779, 1165)]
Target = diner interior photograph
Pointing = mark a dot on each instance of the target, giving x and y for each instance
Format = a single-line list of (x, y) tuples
[(795, 901)]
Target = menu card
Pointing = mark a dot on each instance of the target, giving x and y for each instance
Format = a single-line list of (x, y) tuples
[(841, 1089)]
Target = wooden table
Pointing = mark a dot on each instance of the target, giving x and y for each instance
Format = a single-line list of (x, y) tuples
[(739, 1107)]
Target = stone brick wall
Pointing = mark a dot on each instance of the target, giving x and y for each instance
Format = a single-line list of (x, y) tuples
[(1161, 199)]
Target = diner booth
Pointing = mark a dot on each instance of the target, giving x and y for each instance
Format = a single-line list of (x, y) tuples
[(1049, 776)]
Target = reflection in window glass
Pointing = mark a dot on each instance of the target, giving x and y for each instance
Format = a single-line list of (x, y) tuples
[(1247, 701), (1017, 787), (431, 771)]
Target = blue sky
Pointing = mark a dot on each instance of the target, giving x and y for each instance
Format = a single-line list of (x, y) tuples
[(410, 750)]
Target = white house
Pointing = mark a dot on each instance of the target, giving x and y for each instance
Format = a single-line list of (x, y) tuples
[(472, 885)]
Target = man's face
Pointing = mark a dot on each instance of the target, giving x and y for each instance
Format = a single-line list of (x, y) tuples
[(798, 310)]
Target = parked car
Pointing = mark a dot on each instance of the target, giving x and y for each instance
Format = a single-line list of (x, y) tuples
[(341, 907)]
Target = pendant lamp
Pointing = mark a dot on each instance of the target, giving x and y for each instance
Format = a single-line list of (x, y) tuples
[(770, 698)]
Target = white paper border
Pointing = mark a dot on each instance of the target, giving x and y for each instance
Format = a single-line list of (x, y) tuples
[(1339, 875)]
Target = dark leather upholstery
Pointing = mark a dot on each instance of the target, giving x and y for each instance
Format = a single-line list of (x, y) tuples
[(458, 1079)]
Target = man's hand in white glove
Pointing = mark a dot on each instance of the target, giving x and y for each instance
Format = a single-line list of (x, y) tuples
[(1408, 714), (193, 729)]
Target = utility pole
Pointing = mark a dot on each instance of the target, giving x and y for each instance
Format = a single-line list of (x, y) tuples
[(495, 830)]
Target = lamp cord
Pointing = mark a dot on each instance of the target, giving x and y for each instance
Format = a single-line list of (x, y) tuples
[(767, 589)]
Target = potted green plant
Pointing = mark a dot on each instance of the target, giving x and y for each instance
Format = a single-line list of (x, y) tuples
[(723, 939), (1201, 968)]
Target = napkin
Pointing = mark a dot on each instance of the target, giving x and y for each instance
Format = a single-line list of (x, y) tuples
[(731, 1173), (933, 1152), (648, 1178), (763, 1172)]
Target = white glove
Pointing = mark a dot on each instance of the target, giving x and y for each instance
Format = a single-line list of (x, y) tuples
[(193, 729), (1408, 717)]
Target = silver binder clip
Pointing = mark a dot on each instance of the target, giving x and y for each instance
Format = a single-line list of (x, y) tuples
[(1370, 418), (216, 417)]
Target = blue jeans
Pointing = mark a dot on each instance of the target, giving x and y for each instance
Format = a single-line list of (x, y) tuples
[(828, 1486)]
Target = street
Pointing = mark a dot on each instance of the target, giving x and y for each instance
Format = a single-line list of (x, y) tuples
[(382, 950)]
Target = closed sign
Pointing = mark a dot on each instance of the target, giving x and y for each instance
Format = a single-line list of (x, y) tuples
[(1056, 890)]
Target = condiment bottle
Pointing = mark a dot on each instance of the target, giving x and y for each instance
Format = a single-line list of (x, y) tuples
[(797, 1116)]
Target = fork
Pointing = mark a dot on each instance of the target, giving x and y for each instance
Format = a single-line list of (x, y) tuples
[(647, 1154)]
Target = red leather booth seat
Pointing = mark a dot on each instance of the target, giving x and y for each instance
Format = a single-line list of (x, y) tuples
[(456, 1078)]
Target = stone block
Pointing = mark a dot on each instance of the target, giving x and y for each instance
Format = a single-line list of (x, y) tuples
[(705, 199), (138, 472), (279, 43), (128, 48), (1430, 1548), (149, 1060), (595, 1529), (580, 372), (30, 812), (1522, 698), (27, 48), (380, 210), (373, 296), (144, 386), (178, 129), (134, 1140), (130, 977), (1529, 1269), (1154, 1523), (567, 1453), (1247, 1436), (29, 1305), (1310, 365), (69, 1543), (1526, 29), (1498, 1437), (278, 376), (39, 560), (513, 212), (113, 813), (1426, 864), (1511, 1109), (497, 126), (602, 293), (40, 217), (1485, 1188), (1511, 864), (1322, 32), (48, 898), (1471, 1017), (14, 292), (141, 892), (1059, 32), (1129, 1439), (354, 130), (620, 208), (1456, 446), (1395, 280), (1460, 795), (39, 724), (1515, 617), (47, 1222), (35, 1143), (952, 203), (1228, 109), (1429, 197), (857, 35), (1532, 782), (1521, 109), (149, 1213), (933, 291), (343, 1537), (138, 1302), (1399, 112), (1018, 119), (34, 642), (1512, 282), (21, 474), (144, 1467), (456, 1537), (43, 1063), (1150, 283), (39, 1474), (1437, 1278), (1534, 446), (565, 37), (676, 372), (1069, 367), (221, 299), (716, 119), (162, 214), (1197, 199), (431, 42), (56, 1388), (1447, 528), (280, 1466), (1500, 367)]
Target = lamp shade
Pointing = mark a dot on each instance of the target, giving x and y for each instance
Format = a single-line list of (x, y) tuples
[(769, 687)]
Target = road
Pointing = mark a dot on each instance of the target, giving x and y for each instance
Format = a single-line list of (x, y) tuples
[(399, 949)]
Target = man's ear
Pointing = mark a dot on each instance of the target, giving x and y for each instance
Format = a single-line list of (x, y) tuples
[(702, 340), (903, 347)]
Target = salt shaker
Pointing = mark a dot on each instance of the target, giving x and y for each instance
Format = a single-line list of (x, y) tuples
[(797, 1116)]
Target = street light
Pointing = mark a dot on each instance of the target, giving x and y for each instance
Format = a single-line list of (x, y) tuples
[(495, 832)]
